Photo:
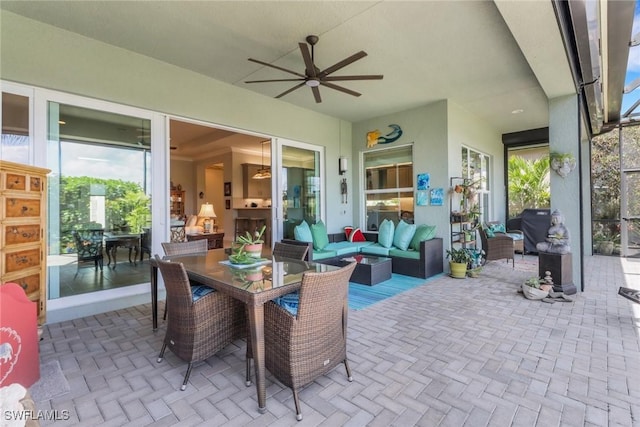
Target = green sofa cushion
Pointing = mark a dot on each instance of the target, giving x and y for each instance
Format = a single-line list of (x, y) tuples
[(375, 249), (423, 232), (317, 255), (404, 254), (343, 248), (320, 236)]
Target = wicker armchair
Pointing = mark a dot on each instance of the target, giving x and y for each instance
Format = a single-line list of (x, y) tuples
[(287, 250), (197, 329), (301, 348), (500, 246)]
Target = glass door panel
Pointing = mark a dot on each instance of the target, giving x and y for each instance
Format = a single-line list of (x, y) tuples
[(629, 234), (15, 128), (300, 187), (100, 181)]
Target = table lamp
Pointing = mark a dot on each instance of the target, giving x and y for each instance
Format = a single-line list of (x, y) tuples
[(206, 212)]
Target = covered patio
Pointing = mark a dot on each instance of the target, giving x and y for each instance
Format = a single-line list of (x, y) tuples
[(448, 353)]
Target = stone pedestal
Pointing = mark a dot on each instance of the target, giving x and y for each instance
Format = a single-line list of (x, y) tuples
[(561, 268)]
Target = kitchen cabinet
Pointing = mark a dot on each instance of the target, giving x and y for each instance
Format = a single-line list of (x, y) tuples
[(23, 223), (254, 188)]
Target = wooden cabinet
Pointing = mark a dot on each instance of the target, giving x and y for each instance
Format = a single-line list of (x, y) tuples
[(254, 188), (214, 240), (176, 203), (23, 222)]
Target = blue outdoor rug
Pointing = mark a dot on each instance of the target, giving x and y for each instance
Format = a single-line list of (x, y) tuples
[(362, 296)]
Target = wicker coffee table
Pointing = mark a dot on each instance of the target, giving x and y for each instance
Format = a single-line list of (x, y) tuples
[(370, 270)]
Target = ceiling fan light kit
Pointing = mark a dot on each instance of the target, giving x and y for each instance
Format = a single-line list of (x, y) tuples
[(313, 77)]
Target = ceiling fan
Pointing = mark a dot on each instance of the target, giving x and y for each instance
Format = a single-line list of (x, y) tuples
[(314, 76)]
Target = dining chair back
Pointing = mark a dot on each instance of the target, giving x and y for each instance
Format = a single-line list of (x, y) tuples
[(300, 348), (287, 250), (200, 323), (184, 248), (89, 246)]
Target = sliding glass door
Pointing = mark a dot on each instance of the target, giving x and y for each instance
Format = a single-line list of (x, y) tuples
[(299, 186), (99, 195)]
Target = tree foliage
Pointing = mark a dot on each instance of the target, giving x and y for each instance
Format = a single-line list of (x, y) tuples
[(528, 184), (125, 202)]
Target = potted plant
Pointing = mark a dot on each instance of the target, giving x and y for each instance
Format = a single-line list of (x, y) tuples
[(458, 262), (531, 288), (250, 244)]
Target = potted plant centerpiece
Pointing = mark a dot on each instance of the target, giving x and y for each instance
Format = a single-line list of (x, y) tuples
[(459, 259), (250, 244)]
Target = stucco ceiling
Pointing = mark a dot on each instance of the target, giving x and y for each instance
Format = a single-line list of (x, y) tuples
[(487, 57)]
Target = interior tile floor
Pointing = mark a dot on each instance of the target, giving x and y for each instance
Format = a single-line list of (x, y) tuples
[(453, 352)]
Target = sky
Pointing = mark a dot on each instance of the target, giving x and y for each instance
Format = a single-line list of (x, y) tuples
[(633, 66)]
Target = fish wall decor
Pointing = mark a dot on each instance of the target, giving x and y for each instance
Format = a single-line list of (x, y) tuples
[(374, 137)]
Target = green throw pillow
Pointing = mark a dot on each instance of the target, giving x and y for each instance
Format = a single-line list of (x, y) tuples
[(489, 232), (385, 233), (498, 228), (403, 235), (423, 232), (320, 236), (302, 232)]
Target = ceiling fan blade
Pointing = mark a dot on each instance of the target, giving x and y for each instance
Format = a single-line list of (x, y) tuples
[(342, 78), (343, 63), (316, 94), (340, 88), (290, 90), (308, 62), (266, 64), (274, 80)]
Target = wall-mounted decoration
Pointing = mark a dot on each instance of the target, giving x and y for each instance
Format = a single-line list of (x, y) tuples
[(201, 195), (562, 163), (422, 198), (437, 196), (374, 137), (227, 204), (424, 181), (227, 189)]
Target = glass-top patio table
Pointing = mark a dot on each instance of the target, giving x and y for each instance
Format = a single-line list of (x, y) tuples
[(253, 285)]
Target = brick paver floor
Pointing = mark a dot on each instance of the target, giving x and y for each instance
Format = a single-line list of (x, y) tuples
[(470, 352)]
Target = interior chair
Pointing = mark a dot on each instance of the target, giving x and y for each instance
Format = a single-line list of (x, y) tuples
[(500, 246), (145, 243), (287, 250), (201, 321), (302, 347), (89, 246), (178, 233)]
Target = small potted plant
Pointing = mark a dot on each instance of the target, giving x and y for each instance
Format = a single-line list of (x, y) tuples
[(250, 244), (531, 288), (459, 259)]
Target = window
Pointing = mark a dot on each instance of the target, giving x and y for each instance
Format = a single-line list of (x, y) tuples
[(15, 142), (475, 168), (388, 186)]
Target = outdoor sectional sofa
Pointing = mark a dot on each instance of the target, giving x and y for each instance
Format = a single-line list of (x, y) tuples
[(425, 262)]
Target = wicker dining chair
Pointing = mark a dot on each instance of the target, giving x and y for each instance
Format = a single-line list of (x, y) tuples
[(201, 323), (183, 248), (300, 348), (287, 250)]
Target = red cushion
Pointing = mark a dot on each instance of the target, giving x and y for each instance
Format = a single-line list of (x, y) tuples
[(356, 236), (347, 232)]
